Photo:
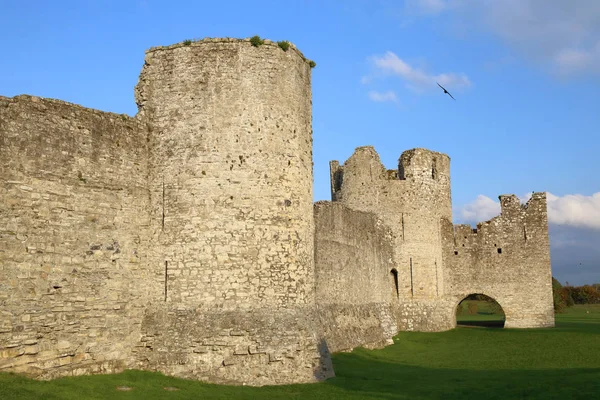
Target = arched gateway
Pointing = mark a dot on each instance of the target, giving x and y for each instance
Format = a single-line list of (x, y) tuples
[(479, 310)]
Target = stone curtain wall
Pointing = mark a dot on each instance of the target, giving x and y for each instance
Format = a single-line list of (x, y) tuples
[(355, 285), (72, 237), (353, 256), (506, 258), (265, 346)]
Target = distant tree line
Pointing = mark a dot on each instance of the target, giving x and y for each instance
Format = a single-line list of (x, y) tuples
[(567, 295)]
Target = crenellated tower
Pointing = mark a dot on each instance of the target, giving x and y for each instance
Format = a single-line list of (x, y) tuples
[(425, 201), (412, 200)]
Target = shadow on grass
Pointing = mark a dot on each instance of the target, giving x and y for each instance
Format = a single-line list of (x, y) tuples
[(358, 378), (481, 324)]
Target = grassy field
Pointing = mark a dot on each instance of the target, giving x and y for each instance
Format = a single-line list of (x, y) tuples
[(465, 363), (486, 315)]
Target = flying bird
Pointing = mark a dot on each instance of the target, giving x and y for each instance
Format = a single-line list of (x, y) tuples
[(445, 91)]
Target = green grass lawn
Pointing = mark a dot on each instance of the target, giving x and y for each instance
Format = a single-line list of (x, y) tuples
[(465, 363)]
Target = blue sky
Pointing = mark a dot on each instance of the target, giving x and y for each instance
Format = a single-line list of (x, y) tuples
[(525, 75)]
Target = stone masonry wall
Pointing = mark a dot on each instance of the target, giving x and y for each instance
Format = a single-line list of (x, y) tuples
[(506, 258), (353, 253), (183, 240), (355, 277), (263, 346), (72, 225), (230, 172), (415, 203), (411, 200)]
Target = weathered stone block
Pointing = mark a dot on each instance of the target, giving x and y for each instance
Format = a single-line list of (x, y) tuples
[(253, 349)]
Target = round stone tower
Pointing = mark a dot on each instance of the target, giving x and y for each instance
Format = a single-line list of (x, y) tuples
[(232, 213), (231, 172), (428, 175), (425, 200)]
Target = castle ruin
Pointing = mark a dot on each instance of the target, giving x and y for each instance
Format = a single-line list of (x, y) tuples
[(185, 239)]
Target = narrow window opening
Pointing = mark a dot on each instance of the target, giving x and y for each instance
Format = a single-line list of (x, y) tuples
[(524, 233), (411, 278), (499, 250), (394, 273), (402, 226), (401, 175), (163, 205), (474, 230), (455, 252), (437, 283), (166, 277)]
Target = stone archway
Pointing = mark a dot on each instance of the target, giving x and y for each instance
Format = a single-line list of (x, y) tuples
[(479, 310)]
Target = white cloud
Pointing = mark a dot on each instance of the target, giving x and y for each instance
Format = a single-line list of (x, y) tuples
[(573, 210), (480, 209), (383, 96), (561, 34), (415, 78), (569, 61)]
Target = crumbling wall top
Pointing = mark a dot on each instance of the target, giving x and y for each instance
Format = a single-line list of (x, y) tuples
[(43, 101), (208, 40), (419, 162)]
